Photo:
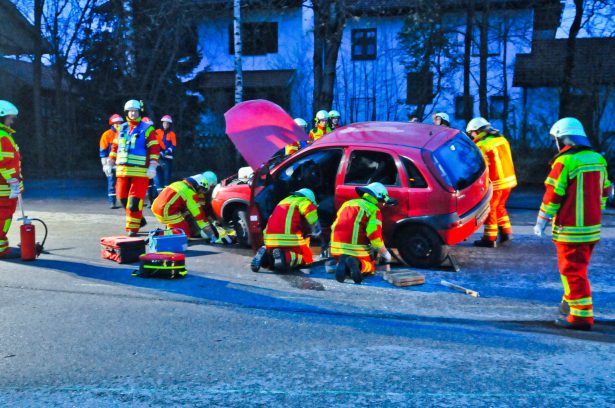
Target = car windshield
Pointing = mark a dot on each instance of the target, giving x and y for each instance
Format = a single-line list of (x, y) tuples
[(459, 162)]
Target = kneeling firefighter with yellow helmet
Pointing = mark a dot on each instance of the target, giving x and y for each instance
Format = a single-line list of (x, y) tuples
[(356, 234), (576, 192), (178, 205), (286, 239)]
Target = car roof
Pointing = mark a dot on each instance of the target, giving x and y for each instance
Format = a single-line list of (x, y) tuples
[(404, 134)]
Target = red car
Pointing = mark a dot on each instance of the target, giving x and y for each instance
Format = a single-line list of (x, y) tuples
[(437, 174)]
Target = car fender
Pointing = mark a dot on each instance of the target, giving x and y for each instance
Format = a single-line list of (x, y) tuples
[(435, 222), (228, 205)]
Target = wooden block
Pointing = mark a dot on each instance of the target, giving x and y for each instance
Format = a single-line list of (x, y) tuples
[(405, 278)]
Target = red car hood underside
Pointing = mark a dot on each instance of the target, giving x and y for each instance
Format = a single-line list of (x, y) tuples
[(260, 128)]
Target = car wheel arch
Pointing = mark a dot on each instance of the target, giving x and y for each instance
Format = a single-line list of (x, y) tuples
[(229, 207)]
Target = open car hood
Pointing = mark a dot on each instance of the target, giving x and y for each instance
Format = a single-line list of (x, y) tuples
[(260, 128)]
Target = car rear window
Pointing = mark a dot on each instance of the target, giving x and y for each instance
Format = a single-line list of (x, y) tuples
[(459, 162)]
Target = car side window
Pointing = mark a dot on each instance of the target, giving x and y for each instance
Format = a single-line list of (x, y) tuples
[(415, 178), (367, 166)]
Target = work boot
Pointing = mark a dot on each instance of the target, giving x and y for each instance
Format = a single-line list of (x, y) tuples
[(580, 325), (143, 222), (132, 233), (279, 261), (260, 259), (354, 267), (10, 253), (340, 271), (485, 243), (505, 238), (564, 308)]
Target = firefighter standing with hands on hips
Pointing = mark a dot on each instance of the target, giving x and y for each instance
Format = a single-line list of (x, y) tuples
[(576, 191), (106, 142), (357, 232), (11, 181), (321, 127), (496, 151), (286, 243), (136, 155)]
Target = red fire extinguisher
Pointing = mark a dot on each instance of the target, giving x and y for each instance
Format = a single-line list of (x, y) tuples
[(30, 249)]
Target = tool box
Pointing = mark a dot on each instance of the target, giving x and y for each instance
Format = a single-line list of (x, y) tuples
[(122, 249), (167, 240), (163, 265), (404, 278)]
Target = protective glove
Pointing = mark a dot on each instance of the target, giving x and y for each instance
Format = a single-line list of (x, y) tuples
[(208, 233), (385, 254), (14, 185), (108, 167), (151, 170), (539, 228), (103, 161), (316, 229)]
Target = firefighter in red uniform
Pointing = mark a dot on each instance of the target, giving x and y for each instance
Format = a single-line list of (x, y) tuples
[(178, 205), (357, 233), (136, 155), (321, 125), (11, 182), (576, 191), (496, 151), (286, 243), (106, 142)]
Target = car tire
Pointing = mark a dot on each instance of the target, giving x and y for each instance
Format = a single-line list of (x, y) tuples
[(239, 220), (421, 247)]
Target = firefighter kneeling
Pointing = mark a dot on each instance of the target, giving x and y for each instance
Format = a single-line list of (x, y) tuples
[(286, 242), (357, 233), (178, 206)]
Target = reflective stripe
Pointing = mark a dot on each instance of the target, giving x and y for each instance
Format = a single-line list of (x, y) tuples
[(581, 312), (566, 286), (580, 302), (339, 248), (285, 240), (130, 171), (580, 204)]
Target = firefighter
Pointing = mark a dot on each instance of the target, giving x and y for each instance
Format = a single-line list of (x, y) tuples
[(136, 155), (576, 191), (334, 119), (357, 233), (286, 243), (300, 144), (302, 124), (441, 119), (179, 206), (321, 127), (496, 151), (168, 142), (106, 141), (11, 180)]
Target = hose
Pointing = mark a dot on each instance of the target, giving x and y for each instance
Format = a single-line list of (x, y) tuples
[(40, 247)]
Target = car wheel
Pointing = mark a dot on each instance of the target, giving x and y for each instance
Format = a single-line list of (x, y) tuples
[(240, 223), (421, 247)]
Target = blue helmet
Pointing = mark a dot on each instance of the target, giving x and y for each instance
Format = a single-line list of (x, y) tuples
[(307, 193)]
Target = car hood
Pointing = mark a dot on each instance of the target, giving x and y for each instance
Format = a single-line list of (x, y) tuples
[(260, 128)]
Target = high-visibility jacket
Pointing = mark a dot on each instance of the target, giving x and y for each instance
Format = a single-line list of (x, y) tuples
[(317, 132), (10, 161), (175, 200), (285, 226), (357, 227), (167, 141), (106, 141), (134, 148), (576, 192), (496, 151)]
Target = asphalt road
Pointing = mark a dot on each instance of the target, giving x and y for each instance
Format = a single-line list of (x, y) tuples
[(80, 331)]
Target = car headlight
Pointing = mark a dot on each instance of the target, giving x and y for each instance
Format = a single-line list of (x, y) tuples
[(216, 189)]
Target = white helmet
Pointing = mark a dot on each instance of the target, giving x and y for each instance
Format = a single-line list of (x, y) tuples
[(334, 114), (378, 191), (321, 115), (8, 109), (477, 123), (443, 116), (570, 131), (307, 193), (166, 118), (301, 123), (132, 104)]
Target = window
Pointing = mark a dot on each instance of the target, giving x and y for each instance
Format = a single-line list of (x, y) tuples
[(420, 88), (368, 167), (256, 38), (459, 162), (415, 178), (364, 44), (496, 107)]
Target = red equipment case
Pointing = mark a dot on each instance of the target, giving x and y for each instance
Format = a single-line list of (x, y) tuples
[(122, 249), (165, 265)]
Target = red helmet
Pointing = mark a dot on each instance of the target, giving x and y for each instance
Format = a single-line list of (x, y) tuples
[(115, 118), (166, 118)]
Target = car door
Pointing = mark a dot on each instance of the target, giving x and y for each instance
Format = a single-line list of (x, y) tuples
[(368, 165)]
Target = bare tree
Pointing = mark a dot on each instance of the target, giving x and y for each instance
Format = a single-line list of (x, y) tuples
[(565, 96), (483, 56), (468, 102), (37, 73), (237, 42)]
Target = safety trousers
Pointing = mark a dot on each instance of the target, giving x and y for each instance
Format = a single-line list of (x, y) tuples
[(296, 256), (368, 266), (573, 260), (498, 216), (7, 209), (131, 193)]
